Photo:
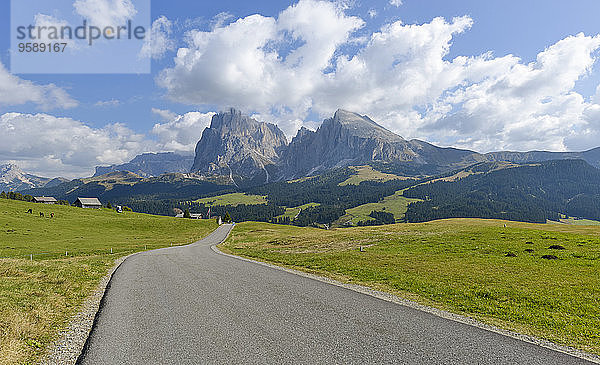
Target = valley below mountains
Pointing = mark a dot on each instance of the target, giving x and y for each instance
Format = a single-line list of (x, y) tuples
[(350, 171)]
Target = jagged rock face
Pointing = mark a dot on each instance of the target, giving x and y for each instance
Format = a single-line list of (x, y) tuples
[(350, 139), (152, 164), (240, 147), (12, 178)]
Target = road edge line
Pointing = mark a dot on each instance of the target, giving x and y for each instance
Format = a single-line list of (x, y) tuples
[(427, 309)]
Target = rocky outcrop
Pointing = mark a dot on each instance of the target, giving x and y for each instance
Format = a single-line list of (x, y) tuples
[(240, 147), (152, 164), (12, 178), (352, 139)]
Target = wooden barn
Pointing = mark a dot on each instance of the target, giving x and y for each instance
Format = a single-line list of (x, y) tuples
[(45, 200), (92, 203)]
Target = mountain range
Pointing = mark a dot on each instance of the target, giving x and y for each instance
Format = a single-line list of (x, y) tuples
[(240, 151), (151, 164), (251, 152), (348, 162)]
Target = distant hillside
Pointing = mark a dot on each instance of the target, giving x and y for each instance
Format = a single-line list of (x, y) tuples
[(152, 164), (531, 193), (121, 186), (592, 156)]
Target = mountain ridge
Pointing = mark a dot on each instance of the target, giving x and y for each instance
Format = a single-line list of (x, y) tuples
[(151, 164), (12, 178)]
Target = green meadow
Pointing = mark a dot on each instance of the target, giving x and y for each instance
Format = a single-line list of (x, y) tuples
[(395, 204), (367, 173), (48, 266), (537, 279), (233, 199), (291, 213)]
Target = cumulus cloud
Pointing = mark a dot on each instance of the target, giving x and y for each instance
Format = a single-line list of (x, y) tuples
[(159, 42), (53, 146), (292, 66), (180, 133), (396, 3), (105, 12), (526, 106), (250, 63), (16, 91)]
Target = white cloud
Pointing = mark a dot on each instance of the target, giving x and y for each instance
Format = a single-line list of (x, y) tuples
[(160, 41), (220, 19), (372, 13), (43, 21), (246, 64), (53, 146), (182, 132), (526, 106), (165, 115), (16, 91), (104, 13), (292, 66), (108, 103), (396, 3)]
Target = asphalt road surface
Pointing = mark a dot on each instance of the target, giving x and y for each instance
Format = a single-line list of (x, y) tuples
[(190, 305)]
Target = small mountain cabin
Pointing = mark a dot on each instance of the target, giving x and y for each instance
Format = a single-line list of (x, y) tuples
[(45, 200), (92, 203)]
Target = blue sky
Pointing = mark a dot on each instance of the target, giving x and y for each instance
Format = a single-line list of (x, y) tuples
[(168, 108)]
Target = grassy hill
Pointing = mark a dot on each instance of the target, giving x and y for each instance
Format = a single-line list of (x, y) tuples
[(395, 204), (233, 199), (48, 266), (291, 213), (475, 267), (367, 173)]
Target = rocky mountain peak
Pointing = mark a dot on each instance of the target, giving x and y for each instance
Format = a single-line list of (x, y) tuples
[(239, 146), (361, 126), (10, 169), (12, 178)]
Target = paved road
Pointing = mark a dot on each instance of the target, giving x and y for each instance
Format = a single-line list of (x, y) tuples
[(190, 305)]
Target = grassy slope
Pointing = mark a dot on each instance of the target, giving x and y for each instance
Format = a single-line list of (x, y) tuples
[(293, 212), (579, 222), (366, 173), (395, 204), (233, 199), (38, 297), (458, 265)]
